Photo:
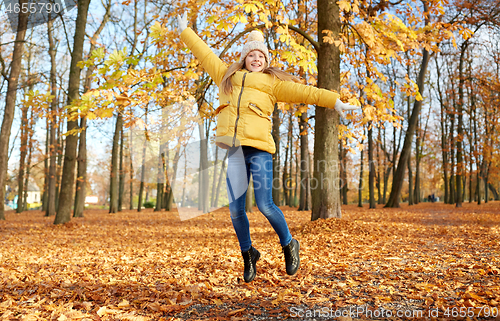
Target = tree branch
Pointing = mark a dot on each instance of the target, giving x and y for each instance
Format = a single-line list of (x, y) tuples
[(314, 43), (3, 73)]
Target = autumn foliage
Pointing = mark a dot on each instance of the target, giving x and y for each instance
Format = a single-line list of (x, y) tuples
[(152, 266)]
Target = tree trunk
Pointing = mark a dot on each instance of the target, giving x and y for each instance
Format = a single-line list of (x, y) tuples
[(10, 102), (204, 181), (45, 196), (452, 142), (160, 179), (451, 137), (113, 180), (494, 191), (371, 167), (81, 175), (410, 182), (379, 165), (286, 177), (418, 156), (410, 171), (343, 172), (131, 173), (221, 174), (121, 182), (445, 168), (387, 169), (360, 186), (325, 196), (452, 187), (471, 170), (167, 188), (486, 194), (478, 187), (28, 163), (31, 123), (183, 198), (81, 171), (24, 151), (443, 118), (52, 120), (170, 197), (143, 174), (460, 126), (214, 180), (68, 177), (398, 178), (26, 144), (387, 173), (276, 156), (304, 163), (60, 147), (472, 146)]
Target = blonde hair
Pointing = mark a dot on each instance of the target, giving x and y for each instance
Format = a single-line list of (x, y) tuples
[(227, 86)]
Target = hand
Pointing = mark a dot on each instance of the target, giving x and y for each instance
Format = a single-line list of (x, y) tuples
[(340, 107), (182, 23)]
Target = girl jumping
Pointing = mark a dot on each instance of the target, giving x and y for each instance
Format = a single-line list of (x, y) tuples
[(248, 91)]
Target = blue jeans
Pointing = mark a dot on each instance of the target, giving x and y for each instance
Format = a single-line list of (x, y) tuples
[(242, 162)]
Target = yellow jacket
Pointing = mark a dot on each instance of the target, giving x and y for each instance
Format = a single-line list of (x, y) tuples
[(244, 116)]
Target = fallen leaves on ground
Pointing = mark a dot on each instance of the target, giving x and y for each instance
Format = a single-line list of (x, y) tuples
[(152, 266)]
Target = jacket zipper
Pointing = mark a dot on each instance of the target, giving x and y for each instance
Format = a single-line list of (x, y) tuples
[(238, 108)]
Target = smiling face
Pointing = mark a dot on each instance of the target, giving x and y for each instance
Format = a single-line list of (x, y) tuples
[(255, 61)]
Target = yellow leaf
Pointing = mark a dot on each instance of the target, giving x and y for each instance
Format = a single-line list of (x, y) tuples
[(123, 304), (101, 311), (344, 5), (90, 115)]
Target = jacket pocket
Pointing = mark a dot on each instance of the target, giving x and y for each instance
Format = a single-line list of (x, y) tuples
[(257, 110), (257, 124), (222, 113), (221, 107)]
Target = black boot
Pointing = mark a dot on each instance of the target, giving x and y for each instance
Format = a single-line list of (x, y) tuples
[(250, 258), (292, 259)]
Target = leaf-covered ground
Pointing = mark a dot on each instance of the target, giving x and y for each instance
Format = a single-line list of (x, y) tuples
[(415, 262)]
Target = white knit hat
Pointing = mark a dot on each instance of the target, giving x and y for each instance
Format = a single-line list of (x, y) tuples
[(255, 41)]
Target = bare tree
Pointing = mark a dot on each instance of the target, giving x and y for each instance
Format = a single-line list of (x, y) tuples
[(325, 196), (10, 101), (81, 175), (68, 176), (398, 178)]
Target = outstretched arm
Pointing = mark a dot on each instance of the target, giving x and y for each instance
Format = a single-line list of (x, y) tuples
[(182, 22), (294, 93), (208, 59), (341, 107)]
